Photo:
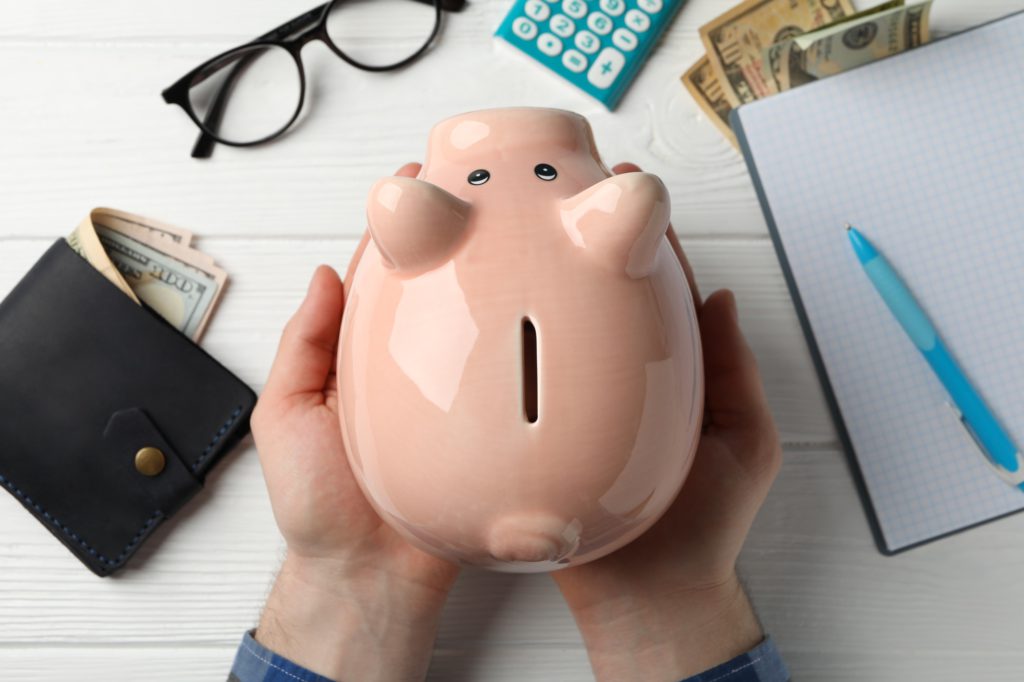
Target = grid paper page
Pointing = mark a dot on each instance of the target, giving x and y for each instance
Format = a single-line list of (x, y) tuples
[(924, 153)]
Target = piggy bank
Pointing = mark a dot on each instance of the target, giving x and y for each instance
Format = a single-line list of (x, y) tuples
[(519, 364)]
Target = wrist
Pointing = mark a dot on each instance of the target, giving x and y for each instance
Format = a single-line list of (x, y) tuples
[(669, 634), (351, 622)]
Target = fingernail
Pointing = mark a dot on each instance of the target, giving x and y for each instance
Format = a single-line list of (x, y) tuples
[(316, 273), (733, 306)]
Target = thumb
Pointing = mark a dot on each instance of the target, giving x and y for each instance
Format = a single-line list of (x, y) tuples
[(306, 353), (737, 408)]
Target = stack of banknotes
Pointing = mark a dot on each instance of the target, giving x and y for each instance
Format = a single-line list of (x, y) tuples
[(152, 263), (763, 47)]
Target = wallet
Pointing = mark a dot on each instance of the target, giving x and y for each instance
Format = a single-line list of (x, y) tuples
[(110, 418)]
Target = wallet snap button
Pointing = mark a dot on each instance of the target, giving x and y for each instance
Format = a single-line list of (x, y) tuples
[(150, 461)]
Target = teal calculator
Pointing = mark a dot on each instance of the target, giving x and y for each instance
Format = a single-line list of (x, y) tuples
[(597, 45)]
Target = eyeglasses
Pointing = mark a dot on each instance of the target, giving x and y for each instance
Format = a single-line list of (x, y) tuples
[(253, 93)]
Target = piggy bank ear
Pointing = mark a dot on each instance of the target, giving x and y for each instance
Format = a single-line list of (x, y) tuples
[(414, 224), (620, 221)]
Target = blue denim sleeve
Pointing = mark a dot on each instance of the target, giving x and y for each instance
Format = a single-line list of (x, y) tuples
[(256, 663), (763, 663)]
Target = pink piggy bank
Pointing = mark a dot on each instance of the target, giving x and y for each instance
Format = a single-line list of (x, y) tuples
[(519, 363)]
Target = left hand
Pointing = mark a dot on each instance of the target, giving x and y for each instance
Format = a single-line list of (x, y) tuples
[(353, 600), (670, 603)]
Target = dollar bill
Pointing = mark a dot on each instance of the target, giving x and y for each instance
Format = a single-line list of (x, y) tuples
[(776, 56), (152, 263), (85, 241), (182, 293), (120, 220), (700, 80), (735, 42), (884, 31)]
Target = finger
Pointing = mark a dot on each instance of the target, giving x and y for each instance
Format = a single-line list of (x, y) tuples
[(673, 240), (409, 170), (735, 396), (306, 354), (687, 269)]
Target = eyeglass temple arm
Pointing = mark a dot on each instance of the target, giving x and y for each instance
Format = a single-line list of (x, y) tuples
[(203, 147)]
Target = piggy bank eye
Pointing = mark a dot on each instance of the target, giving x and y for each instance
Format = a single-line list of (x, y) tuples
[(479, 177), (545, 172)]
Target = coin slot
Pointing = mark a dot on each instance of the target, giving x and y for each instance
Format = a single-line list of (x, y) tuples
[(529, 370)]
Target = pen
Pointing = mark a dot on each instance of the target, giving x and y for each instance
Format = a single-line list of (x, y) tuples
[(975, 415)]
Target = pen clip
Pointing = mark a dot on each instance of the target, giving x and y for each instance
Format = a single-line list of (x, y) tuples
[(1015, 478)]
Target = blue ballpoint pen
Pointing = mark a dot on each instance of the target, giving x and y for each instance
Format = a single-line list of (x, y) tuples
[(975, 415)]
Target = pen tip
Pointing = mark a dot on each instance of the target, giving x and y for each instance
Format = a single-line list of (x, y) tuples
[(848, 227)]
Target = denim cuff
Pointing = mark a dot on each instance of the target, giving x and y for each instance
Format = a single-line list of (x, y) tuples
[(763, 663), (256, 663)]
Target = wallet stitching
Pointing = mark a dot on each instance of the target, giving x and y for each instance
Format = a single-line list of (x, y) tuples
[(145, 527), (73, 535), (217, 436)]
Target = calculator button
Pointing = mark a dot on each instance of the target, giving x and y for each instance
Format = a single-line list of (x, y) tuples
[(599, 24), (637, 20), (574, 61), (606, 67), (577, 9), (650, 6), (613, 7), (588, 42), (562, 25), (624, 39), (549, 44), (537, 10), (524, 28)]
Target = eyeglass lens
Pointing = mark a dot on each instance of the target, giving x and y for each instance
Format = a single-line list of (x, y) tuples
[(247, 95), (253, 93), (379, 33)]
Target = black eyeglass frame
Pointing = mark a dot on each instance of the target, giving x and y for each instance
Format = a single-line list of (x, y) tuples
[(292, 36)]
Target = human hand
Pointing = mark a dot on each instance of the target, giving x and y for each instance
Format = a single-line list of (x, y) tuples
[(670, 602), (353, 599)]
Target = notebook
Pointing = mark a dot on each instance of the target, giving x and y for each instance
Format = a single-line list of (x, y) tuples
[(924, 153)]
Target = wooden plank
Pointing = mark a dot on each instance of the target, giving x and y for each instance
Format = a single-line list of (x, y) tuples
[(269, 278), (839, 610), (497, 663), (111, 139), (225, 24), (842, 611)]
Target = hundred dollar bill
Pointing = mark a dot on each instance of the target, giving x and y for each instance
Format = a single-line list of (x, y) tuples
[(182, 293), (882, 32), (84, 241), (154, 228), (87, 244), (707, 92), (152, 262), (735, 42)]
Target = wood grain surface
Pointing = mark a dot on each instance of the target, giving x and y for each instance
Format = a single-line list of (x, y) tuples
[(83, 125)]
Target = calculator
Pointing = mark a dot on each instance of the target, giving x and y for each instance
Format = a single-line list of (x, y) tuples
[(597, 45)]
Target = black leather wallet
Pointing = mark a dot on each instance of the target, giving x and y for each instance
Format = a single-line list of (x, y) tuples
[(110, 418)]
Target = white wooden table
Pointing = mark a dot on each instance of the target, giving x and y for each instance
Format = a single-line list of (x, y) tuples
[(82, 124)]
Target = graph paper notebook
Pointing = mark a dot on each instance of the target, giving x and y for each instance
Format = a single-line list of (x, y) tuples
[(924, 153)]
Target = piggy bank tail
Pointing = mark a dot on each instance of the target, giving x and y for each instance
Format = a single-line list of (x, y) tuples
[(533, 538)]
